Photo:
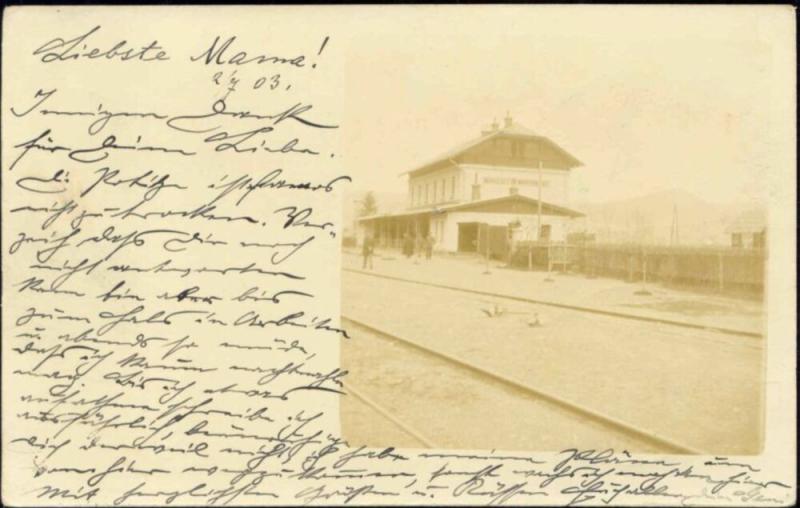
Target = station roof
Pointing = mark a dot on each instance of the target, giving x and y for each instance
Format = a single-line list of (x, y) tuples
[(513, 130), (515, 204)]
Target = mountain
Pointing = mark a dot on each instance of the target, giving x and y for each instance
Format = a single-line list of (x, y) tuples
[(649, 219)]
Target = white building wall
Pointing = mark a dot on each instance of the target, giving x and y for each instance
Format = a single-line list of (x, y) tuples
[(455, 184), (449, 240), (496, 181), (438, 228), (441, 186)]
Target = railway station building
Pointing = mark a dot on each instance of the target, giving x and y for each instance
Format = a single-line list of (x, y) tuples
[(509, 184)]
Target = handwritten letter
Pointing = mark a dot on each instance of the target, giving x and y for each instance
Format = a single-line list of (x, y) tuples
[(166, 201)]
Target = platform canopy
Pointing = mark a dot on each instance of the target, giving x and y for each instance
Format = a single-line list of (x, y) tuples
[(514, 204)]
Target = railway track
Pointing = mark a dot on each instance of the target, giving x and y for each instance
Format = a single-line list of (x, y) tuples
[(386, 413), (577, 308), (570, 408)]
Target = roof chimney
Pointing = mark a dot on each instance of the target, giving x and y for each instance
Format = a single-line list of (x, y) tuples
[(508, 120), (492, 128)]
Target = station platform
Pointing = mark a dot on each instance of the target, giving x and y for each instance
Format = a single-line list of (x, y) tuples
[(469, 272)]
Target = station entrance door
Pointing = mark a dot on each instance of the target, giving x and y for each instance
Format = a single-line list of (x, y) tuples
[(468, 236), (493, 239)]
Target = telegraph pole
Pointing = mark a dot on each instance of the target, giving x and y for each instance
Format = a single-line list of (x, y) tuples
[(539, 213), (539, 221), (674, 238)]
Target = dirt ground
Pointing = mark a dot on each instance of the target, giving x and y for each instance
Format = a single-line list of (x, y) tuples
[(700, 388), (453, 408), (716, 310)]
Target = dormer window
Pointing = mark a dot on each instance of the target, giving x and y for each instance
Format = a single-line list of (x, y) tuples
[(759, 240)]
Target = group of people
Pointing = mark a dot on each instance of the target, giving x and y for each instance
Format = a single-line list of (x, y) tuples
[(412, 244), (417, 244)]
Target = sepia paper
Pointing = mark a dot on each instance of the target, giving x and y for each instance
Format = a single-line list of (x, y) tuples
[(398, 256)]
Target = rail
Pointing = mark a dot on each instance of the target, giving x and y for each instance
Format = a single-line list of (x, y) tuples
[(561, 402)]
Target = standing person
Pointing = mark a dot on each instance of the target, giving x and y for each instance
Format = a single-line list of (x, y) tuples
[(419, 246), (429, 243), (408, 245), (367, 250)]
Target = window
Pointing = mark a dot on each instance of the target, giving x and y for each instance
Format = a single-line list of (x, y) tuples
[(476, 192), (736, 240), (435, 191), (452, 188), (759, 240), (427, 188), (444, 186), (513, 191), (544, 232)]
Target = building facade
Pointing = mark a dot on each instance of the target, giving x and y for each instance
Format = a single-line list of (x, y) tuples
[(509, 177)]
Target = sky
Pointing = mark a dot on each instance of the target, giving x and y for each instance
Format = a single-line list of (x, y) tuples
[(649, 99)]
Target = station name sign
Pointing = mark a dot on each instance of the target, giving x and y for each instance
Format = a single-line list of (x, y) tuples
[(513, 181)]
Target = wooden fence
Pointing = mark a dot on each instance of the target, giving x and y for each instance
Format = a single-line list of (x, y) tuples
[(720, 268)]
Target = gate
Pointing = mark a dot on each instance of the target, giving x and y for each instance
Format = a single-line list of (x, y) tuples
[(494, 239)]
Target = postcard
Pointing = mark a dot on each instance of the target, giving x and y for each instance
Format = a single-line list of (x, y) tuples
[(398, 255)]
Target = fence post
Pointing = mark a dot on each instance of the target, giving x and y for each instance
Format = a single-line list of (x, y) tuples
[(630, 267), (643, 290), (721, 272), (549, 262), (673, 267), (583, 260), (644, 268)]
